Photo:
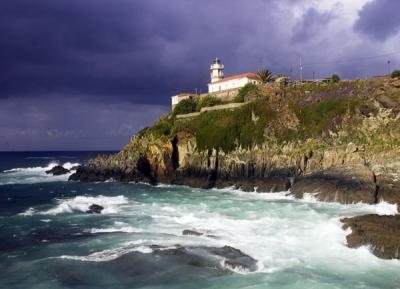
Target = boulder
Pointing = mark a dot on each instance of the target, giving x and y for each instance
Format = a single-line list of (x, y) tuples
[(235, 259), (95, 209), (201, 256), (381, 233), (57, 171)]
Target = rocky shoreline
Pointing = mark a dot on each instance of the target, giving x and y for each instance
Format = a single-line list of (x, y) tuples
[(333, 175), (331, 179), (380, 233)]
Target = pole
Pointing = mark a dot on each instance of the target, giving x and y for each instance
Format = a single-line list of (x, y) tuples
[(301, 71), (388, 62)]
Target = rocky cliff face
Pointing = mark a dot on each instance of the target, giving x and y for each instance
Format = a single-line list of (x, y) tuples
[(353, 158), (340, 142)]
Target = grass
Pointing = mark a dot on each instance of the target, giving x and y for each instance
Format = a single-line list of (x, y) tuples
[(318, 117), (226, 129)]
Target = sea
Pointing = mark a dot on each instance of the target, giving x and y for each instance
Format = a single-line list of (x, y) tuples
[(48, 240)]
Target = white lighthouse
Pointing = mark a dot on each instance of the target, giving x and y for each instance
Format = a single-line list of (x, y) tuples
[(217, 71)]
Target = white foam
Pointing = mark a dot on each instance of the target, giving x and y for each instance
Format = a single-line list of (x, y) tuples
[(33, 169), (280, 232), (274, 228), (69, 165), (273, 196), (109, 254), (28, 212), (125, 229), (81, 204), (45, 220), (382, 208), (31, 175)]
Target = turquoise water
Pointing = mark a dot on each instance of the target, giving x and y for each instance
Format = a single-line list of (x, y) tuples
[(48, 241)]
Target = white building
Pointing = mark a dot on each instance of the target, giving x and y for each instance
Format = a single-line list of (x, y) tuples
[(221, 87), (233, 82), (219, 83), (178, 98)]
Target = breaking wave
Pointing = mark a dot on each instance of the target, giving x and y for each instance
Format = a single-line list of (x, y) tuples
[(82, 203), (109, 254), (31, 175)]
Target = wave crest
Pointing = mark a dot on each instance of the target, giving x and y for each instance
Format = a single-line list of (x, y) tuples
[(31, 175), (82, 203)]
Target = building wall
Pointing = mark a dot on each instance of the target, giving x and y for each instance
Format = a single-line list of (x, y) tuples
[(230, 84), (178, 98)]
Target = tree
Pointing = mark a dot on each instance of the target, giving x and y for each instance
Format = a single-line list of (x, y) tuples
[(185, 106), (335, 78), (265, 75), (396, 73)]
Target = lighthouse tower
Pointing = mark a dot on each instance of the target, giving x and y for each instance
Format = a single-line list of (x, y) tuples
[(217, 70)]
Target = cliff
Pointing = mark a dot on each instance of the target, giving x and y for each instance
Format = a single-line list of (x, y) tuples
[(340, 141)]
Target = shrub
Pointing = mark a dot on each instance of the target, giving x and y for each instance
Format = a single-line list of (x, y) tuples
[(185, 106), (207, 101), (332, 79), (396, 73), (335, 78), (240, 97)]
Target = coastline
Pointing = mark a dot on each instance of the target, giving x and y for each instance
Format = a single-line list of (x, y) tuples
[(339, 142)]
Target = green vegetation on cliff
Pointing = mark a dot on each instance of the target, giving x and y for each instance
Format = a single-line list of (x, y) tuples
[(207, 101), (185, 106), (328, 113), (226, 129)]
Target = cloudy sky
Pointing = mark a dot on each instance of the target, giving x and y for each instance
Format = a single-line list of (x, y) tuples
[(86, 74)]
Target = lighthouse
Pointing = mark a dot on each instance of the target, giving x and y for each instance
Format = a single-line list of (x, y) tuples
[(217, 71)]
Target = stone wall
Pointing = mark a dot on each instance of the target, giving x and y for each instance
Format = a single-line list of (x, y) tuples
[(188, 115), (226, 95), (222, 106), (210, 108)]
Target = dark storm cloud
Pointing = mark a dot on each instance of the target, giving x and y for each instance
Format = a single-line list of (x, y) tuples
[(97, 48), (141, 51), (312, 23), (379, 19), (72, 70)]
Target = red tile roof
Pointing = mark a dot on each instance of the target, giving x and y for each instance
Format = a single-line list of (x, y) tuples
[(248, 75)]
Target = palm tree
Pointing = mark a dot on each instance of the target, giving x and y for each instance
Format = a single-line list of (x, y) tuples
[(265, 75)]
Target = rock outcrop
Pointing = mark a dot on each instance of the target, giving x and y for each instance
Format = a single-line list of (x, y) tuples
[(95, 209), (188, 232), (57, 171), (380, 233)]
